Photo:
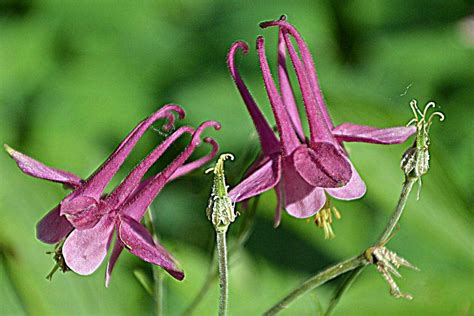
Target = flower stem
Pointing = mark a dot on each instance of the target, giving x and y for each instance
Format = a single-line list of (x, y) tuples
[(315, 281), (392, 224), (343, 287), (355, 264), (239, 242), (223, 271), (158, 289)]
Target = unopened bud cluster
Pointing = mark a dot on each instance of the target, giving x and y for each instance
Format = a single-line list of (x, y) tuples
[(416, 160), (220, 209)]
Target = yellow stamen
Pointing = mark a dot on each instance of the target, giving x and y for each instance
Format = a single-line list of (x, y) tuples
[(323, 219)]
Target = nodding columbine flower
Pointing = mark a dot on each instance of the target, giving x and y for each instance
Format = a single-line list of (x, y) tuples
[(301, 169), (84, 238), (81, 207)]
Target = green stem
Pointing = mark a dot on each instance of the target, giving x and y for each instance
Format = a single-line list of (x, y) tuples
[(384, 237), (402, 201), (315, 281), (223, 271), (158, 277), (158, 291), (341, 290), (355, 264), (213, 273)]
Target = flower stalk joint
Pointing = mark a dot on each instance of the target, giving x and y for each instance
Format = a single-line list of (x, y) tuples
[(388, 263)]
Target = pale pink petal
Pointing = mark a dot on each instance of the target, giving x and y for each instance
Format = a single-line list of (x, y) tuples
[(260, 180), (84, 250), (53, 227), (349, 132), (322, 165), (354, 189), (139, 242), (36, 169), (301, 199)]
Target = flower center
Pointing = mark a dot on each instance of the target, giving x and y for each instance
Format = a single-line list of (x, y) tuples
[(323, 219)]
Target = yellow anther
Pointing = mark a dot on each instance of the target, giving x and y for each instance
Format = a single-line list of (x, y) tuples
[(323, 219)]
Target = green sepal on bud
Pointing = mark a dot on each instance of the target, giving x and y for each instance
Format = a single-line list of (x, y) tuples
[(416, 159), (220, 209)]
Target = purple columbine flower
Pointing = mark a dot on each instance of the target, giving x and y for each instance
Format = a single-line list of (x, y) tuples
[(84, 250), (119, 208), (301, 169), (54, 226)]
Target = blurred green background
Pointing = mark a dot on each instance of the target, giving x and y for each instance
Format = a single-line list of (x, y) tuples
[(76, 76)]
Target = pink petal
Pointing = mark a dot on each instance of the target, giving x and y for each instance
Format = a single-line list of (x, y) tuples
[(322, 165), (307, 62), (84, 250), (140, 243), (288, 138), (301, 199), (52, 228), (349, 132), (260, 180), (132, 181), (83, 212), (95, 185), (286, 89), (190, 166), (268, 141), (137, 204), (354, 189), (319, 128), (118, 247), (36, 169)]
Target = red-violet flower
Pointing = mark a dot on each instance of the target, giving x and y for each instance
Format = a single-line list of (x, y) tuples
[(301, 169), (54, 227), (84, 250), (123, 208)]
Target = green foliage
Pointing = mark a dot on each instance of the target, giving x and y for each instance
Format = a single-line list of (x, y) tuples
[(75, 77)]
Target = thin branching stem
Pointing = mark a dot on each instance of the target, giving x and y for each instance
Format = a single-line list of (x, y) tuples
[(158, 277), (384, 237), (343, 287), (315, 281), (353, 265), (395, 218)]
